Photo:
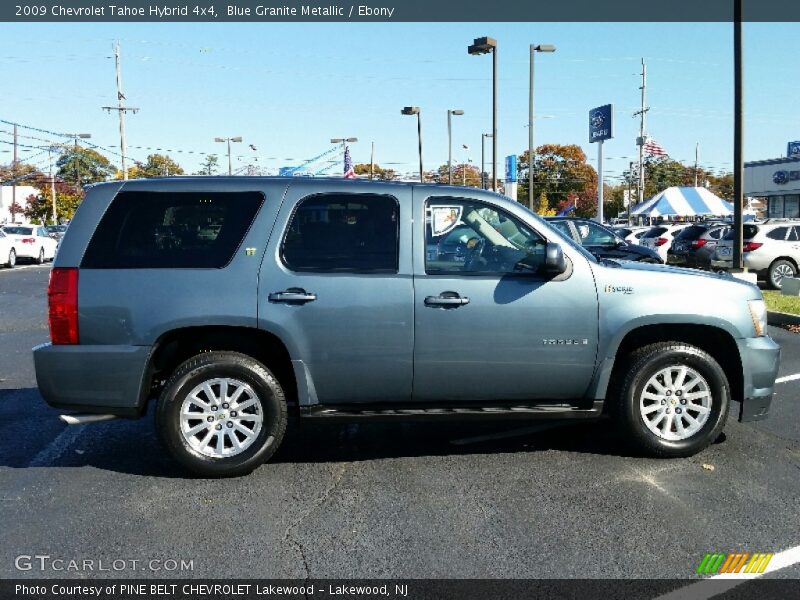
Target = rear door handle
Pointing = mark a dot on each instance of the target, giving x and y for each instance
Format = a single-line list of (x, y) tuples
[(298, 295), (446, 299)]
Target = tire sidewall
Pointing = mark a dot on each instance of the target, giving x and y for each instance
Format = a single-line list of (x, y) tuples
[(720, 394), (772, 268), (272, 407), (12, 258)]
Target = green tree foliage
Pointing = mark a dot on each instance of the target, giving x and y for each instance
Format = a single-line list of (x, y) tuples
[(157, 165), (210, 166), (39, 207), (559, 171), (378, 171), (90, 164), (24, 174), (463, 174)]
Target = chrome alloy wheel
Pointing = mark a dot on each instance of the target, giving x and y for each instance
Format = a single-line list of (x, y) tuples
[(675, 403), (780, 272), (221, 417)]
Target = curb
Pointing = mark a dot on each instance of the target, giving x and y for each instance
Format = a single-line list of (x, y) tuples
[(779, 318)]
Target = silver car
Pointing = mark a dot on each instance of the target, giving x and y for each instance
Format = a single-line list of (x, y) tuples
[(771, 249)]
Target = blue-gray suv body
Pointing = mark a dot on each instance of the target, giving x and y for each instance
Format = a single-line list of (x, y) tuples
[(236, 301)]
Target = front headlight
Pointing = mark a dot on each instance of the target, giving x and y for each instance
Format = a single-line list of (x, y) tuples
[(758, 311)]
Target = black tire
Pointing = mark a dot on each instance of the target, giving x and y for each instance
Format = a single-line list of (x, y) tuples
[(643, 364), (12, 258), (784, 266), (208, 366), (40, 258)]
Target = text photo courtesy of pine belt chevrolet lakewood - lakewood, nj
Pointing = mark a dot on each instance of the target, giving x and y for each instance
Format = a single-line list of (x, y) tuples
[(392, 300)]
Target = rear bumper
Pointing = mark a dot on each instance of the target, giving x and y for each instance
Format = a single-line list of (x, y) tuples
[(94, 379), (760, 361)]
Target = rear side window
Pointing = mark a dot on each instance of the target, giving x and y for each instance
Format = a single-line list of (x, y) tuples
[(779, 233), (654, 232), (163, 230), (748, 232), (691, 233), (345, 233)]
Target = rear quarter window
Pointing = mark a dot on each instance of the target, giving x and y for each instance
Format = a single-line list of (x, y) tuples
[(163, 230), (691, 233), (779, 233), (748, 232), (654, 232)]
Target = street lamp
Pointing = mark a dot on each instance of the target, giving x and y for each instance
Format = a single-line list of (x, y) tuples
[(83, 136), (238, 138), (483, 152), (534, 49), (415, 110), (450, 113), (482, 46)]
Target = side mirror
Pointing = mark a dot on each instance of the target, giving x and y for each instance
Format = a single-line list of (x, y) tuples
[(554, 261)]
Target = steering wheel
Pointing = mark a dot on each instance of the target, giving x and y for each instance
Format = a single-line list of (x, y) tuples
[(474, 247)]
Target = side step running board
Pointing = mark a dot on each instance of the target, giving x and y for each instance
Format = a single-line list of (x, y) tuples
[(509, 411)]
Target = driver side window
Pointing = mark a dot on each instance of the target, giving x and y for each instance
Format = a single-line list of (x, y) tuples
[(470, 237)]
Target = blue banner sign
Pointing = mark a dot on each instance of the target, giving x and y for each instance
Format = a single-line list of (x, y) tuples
[(793, 150), (511, 168), (601, 123)]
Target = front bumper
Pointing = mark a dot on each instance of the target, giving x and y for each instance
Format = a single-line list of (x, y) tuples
[(93, 379), (760, 362)]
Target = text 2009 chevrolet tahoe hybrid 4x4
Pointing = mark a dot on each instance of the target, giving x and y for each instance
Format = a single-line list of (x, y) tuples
[(235, 300)]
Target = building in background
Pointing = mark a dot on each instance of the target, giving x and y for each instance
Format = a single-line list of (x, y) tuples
[(778, 182), (6, 199)]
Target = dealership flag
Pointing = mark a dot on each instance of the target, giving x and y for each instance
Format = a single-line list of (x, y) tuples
[(653, 148), (349, 173)]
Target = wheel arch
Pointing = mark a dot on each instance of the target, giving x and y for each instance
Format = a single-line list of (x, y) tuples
[(175, 346), (716, 341)]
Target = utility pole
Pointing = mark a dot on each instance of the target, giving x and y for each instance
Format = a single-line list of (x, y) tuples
[(696, 156), (630, 179), (372, 162), (121, 109), (52, 185), (14, 180), (738, 136), (640, 141)]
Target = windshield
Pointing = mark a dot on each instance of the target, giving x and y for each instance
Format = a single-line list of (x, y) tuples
[(18, 230), (561, 237), (56, 228), (654, 232)]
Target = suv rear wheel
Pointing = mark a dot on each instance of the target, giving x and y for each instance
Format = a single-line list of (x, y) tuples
[(779, 270), (673, 400), (12, 258), (221, 414)]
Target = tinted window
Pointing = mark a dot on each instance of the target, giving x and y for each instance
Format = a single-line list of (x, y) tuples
[(149, 230), (562, 226), (794, 235), (18, 230), (748, 231), (344, 233), (489, 240), (592, 234), (691, 233), (779, 233), (654, 232), (623, 232)]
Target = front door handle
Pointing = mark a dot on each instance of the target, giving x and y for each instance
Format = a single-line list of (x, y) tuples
[(298, 295), (446, 299)]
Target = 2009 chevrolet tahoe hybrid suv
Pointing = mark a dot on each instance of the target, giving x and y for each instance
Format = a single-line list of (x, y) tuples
[(235, 301)]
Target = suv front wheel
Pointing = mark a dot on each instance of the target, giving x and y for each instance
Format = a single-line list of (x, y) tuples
[(221, 414), (673, 400)]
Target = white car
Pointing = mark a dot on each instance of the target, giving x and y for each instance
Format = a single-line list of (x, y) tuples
[(8, 254), (31, 242), (660, 237), (632, 234)]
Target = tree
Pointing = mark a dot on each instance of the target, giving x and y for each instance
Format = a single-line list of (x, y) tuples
[(157, 165), (559, 171), (378, 171), (463, 174), (24, 174), (40, 206), (209, 166), (15, 209), (89, 164), (543, 206)]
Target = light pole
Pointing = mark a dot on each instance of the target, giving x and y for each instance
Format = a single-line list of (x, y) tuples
[(482, 46), (415, 110), (344, 141), (83, 136), (483, 168), (534, 49), (237, 139), (450, 113)]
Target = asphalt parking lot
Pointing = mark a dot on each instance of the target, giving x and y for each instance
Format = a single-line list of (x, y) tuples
[(511, 500)]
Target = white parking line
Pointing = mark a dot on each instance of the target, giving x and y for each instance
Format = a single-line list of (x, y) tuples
[(23, 267), (719, 584), (58, 447), (788, 378)]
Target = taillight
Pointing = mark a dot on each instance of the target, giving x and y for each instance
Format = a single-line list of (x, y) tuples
[(699, 243), (750, 246), (28, 240), (661, 242), (62, 297)]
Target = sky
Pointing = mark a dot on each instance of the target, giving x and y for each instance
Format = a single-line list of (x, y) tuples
[(288, 89)]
